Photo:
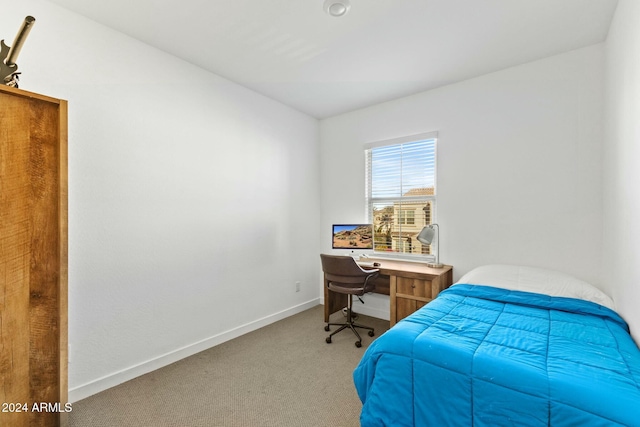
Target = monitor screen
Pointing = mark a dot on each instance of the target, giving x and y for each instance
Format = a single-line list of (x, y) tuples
[(352, 236)]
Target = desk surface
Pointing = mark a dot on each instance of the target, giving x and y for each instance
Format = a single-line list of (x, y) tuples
[(390, 267)]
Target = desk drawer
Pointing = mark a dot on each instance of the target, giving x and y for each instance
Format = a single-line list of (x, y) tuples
[(413, 288), (408, 293)]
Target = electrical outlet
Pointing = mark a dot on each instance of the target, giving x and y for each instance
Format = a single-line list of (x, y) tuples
[(297, 286)]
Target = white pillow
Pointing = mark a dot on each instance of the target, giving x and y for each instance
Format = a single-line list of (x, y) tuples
[(538, 280)]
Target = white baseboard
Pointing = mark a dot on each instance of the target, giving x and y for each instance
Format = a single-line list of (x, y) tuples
[(112, 380)]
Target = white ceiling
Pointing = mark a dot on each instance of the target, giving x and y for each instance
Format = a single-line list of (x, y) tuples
[(291, 51)]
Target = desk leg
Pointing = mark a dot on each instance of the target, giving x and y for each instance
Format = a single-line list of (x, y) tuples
[(393, 287)]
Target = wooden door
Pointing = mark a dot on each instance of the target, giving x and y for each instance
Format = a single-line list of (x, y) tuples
[(33, 259)]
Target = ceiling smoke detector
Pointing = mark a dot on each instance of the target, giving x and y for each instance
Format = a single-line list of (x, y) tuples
[(337, 7)]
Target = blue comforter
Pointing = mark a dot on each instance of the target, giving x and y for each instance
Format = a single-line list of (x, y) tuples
[(483, 356)]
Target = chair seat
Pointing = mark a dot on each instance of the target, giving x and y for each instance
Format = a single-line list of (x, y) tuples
[(345, 288)]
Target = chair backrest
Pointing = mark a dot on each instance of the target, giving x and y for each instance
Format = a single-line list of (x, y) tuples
[(344, 269)]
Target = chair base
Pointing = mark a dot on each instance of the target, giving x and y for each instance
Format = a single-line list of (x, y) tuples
[(349, 324)]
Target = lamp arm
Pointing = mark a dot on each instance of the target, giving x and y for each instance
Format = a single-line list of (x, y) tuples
[(438, 246)]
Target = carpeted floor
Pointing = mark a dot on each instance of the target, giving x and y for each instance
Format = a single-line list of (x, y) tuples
[(281, 375)]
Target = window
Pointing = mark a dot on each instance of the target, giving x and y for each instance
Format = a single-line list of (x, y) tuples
[(401, 192), (407, 216)]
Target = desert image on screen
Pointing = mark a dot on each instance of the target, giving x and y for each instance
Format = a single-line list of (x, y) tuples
[(353, 236)]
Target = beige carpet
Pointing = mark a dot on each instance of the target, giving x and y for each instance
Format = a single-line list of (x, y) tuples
[(281, 375)]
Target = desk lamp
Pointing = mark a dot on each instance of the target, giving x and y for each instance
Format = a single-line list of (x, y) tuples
[(426, 237)]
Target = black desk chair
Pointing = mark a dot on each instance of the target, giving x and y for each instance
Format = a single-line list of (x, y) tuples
[(345, 276)]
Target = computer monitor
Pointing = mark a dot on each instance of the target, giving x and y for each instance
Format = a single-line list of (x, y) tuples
[(352, 236)]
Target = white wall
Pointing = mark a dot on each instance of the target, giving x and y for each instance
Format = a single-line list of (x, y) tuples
[(519, 170), (193, 202), (622, 163)]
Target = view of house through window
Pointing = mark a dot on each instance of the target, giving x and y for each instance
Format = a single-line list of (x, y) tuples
[(401, 192)]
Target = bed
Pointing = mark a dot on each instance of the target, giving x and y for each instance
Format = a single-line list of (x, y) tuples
[(505, 346)]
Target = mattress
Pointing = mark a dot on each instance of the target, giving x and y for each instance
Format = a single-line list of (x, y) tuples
[(483, 355)]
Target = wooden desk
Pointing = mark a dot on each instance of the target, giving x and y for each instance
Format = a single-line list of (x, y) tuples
[(410, 285)]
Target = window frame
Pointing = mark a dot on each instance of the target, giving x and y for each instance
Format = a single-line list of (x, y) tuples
[(371, 202)]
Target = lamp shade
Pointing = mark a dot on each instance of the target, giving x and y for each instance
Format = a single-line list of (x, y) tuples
[(426, 235)]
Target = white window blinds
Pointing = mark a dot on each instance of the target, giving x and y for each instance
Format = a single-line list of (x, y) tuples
[(401, 191)]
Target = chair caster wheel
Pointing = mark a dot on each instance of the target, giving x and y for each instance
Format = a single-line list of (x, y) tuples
[(371, 333), (326, 328), (328, 340), (358, 344)]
